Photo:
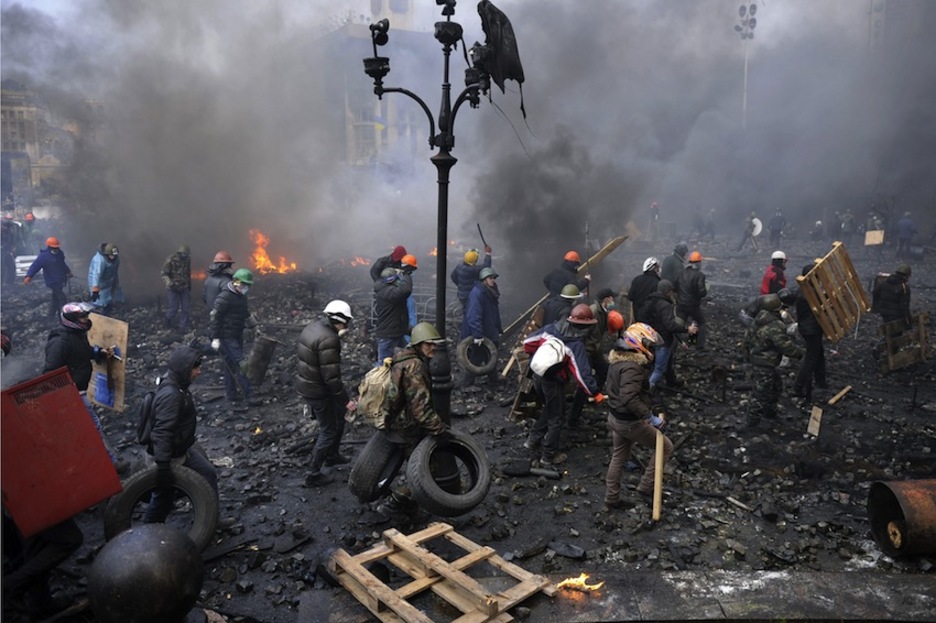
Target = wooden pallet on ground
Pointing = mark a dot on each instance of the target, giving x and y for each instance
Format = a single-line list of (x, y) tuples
[(447, 579), (834, 293), (902, 347)]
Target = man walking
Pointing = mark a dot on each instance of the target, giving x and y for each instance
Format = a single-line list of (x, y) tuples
[(177, 275), (55, 272), (228, 319), (482, 317), (103, 280), (690, 290), (392, 316)]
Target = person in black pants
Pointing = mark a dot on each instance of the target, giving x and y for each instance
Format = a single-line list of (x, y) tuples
[(814, 366)]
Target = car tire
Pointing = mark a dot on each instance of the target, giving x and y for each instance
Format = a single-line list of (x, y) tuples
[(478, 359), (118, 515), (375, 468), (474, 474)]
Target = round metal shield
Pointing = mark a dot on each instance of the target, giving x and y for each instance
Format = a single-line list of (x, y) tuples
[(758, 226)]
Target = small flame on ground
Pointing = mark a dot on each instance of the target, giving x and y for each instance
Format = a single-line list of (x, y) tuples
[(579, 584), (261, 260), (258, 430), (199, 275), (434, 252), (359, 261)]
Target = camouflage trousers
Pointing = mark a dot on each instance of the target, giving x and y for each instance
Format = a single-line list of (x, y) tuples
[(768, 384)]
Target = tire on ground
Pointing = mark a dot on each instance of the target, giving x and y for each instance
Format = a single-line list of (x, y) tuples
[(137, 488), (469, 355), (375, 468), (429, 494)]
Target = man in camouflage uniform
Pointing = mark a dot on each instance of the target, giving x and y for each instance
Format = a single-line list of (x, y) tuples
[(767, 341), (177, 275)]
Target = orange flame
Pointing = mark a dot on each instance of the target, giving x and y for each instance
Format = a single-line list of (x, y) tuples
[(579, 584), (434, 252), (261, 260), (199, 275), (359, 261), (258, 430)]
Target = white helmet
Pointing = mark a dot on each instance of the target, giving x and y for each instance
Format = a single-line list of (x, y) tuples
[(650, 262), (778, 255), (338, 311)]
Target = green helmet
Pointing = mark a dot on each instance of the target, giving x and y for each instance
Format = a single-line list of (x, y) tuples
[(570, 291), (244, 276), (424, 332), (485, 273), (770, 302)]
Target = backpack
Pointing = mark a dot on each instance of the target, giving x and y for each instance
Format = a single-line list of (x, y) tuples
[(550, 353), (146, 416), (378, 394)]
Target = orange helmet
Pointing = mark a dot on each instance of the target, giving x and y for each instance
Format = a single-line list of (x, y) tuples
[(695, 256), (572, 256), (223, 256), (408, 260), (52, 242), (615, 321)]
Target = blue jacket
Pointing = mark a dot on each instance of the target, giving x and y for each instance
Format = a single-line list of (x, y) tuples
[(906, 228), (465, 276), (54, 269), (102, 274), (482, 314)]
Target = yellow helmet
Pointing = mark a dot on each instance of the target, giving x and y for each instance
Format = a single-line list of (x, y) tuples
[(471, 257)]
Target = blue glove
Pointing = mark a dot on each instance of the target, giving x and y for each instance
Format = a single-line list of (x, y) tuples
[(657, 422)]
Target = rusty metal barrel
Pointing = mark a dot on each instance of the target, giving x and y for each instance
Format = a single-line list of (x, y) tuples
[(903, 516), (259, 359)]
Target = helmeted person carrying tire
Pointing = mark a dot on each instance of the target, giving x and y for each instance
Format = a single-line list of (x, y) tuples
[(172, 440)]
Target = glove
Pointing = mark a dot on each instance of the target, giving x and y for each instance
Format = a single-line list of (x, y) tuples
[(351, 406), (785, 315), (95, 295), (587, 276), (791, 328), (487, 249), (657, 422), (215, 344), (26, 280), (164, 478), (599, 398), (478, 341)]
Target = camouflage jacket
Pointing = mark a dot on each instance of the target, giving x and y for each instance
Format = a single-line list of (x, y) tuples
[(413, 411), (177, 272), (767, 341)]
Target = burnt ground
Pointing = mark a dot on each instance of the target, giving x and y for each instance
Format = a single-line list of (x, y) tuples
[(805, 497)]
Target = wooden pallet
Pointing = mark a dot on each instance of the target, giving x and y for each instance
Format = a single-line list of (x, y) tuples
[(448, 580), (902, 347), (834, 293)]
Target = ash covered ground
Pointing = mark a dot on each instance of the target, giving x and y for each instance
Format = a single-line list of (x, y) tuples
[(807, 496)]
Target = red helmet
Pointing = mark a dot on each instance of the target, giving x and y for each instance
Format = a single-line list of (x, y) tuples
[(582, 314), (572, 256), (223, 256), (615, 321)]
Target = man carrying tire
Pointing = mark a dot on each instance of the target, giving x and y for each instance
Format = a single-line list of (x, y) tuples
[(173, 436), (482, 319)]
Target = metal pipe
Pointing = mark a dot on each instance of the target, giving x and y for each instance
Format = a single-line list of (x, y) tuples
[(903, 516)]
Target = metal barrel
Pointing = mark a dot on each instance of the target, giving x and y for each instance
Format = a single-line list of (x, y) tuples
[(259, 360), (903, 516)]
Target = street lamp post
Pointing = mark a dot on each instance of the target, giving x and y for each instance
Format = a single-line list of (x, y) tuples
[(477, 82), (745, 28)]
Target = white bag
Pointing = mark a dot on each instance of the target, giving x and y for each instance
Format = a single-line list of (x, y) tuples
[(552, 351)]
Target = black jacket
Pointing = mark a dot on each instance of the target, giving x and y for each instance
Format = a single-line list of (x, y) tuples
[(70, 347), (390, 296), (229, 315), (219, 275), (319, 371), (641, 287), (891, 299), (690, 288), (174, 427), (379, 264), (805, 319), (563, 276), (660, 313), (556, 308)]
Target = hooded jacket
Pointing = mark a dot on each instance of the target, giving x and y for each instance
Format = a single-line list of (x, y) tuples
[(891, 299), (578, 365), (628, 385), (177, 272), (660, 313), (219, 275), (482, 315), (642, 286), (392, 315), (564, 275), (319, 371), (768, 341), (175, 413), (102, 275), (68, 346), (465, 276), (55, 271), (774, 278), (413, 410), (229, 316)]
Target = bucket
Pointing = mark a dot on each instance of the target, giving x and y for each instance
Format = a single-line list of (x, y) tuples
[(260, 357), (903, 516)]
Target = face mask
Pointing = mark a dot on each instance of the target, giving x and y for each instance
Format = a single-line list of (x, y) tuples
[(609, 307), (243, 289), (53, 251)]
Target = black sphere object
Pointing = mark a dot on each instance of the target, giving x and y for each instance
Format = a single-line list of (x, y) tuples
[(151, 573)]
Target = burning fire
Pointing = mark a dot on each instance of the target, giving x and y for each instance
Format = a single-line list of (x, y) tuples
[(579, 584), (359, 261), (434, 252), (258, 430), (260, 258)]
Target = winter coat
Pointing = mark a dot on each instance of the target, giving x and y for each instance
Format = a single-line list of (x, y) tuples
[(413, 412), (55, 271), (628, 385), (390, 296), (805, 319), (67, 346), (690, 288), (229, 316), (774, 278), (177, 272), (102, 275), (660, 313), (556, 308), (465, 276), (598, 333), (564, 275), (175, 412), (891, 299), (906, 229), (319, 370), (379, 264), (768, 341), (672, 265), (578, 365), (482, 315), (219, 275), (642, 286)]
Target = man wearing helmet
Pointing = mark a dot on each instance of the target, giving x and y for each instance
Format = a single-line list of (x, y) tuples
[(226, 324), (767, 342), (674, 263), (891, 296), (544, 439), (177, 275), (482, 317), (103, 280), (565, 274), (220, 272), (55, 273), (690, 290), (774, 277), (643, 285), (394, 260), (632, 418), (661, 315), (319, 382), (597, 345), (466, 274), (392, 319), (557, 307)]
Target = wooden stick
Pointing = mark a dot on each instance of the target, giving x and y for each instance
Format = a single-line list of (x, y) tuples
[(741, 505), (658, 477), (839, 395)]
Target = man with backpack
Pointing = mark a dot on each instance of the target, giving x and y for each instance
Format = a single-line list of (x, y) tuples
[(319, 382), (172, 439)]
